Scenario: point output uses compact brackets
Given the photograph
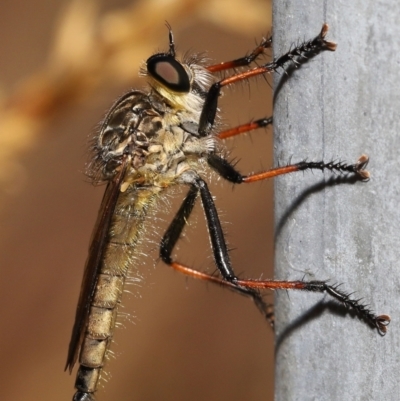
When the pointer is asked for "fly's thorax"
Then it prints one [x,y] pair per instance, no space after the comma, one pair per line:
[160,141]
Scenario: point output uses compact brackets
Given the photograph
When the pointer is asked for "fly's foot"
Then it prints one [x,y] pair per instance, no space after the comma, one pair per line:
[359,167]
[325,44]
[381,322]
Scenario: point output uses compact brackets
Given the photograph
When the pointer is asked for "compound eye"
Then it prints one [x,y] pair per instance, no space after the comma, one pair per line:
[169,72]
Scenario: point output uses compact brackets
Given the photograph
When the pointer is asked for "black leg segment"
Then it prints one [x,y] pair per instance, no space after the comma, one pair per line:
[175,229]
[218,244]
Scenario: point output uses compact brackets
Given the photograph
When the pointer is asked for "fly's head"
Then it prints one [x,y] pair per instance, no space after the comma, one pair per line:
[182,84]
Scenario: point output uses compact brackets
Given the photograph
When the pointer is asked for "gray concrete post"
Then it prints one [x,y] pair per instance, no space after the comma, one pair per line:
[338,106]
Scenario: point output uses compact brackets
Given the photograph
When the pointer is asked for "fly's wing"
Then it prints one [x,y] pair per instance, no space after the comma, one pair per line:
[93,263]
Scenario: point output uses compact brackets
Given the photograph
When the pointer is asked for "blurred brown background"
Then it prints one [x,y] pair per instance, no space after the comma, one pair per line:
[62,65]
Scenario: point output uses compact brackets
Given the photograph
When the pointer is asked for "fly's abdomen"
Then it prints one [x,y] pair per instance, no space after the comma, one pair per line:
[117,259]
[101,323]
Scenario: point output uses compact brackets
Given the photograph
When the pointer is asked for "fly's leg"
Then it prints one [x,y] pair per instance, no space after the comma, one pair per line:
[313,46]
[229,279]
[240,129]
[380,322]
[227,171]
[243,61]
[219,248]
[301,51]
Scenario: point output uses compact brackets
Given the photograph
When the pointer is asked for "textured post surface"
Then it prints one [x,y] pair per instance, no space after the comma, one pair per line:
[338,106]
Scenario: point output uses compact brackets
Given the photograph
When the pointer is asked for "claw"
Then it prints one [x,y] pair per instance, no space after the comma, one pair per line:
[362,162]
[382,322]
[329,45]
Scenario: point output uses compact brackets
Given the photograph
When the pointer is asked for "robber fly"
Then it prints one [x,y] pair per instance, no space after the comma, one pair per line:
[150,141]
